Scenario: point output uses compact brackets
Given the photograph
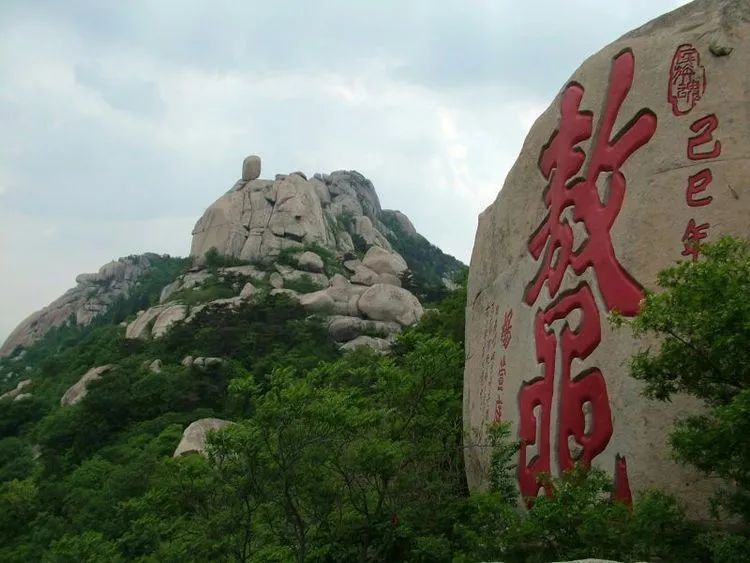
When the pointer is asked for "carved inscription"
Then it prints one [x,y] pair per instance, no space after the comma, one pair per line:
[584,423]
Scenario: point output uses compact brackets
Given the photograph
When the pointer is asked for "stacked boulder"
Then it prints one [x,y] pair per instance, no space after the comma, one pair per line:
[322,241]
[262,221]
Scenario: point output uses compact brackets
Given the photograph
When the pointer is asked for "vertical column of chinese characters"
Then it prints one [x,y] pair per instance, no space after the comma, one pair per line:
[584,425]
[488,357]
[687,85]
[505,338]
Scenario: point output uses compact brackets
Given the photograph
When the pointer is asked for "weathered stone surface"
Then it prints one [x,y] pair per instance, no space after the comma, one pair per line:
[248,271]
[168,317]
[139,328]
[362,275]
[203,363]
[276,280]
[189,280]
[251,168]
[381,261]
[92,296]
[248,291]
[230,302]
[364,228]
[388,279]
[345,296]
[15,392]
[22,397]
[155,366]
[390,303]
[194,310]
[288,292]
[343,328]
[258,219]
[78,391]
[317,301]
[187,361]
[290,274]
[310,261]
[551,257]
[377,344]
[195,435]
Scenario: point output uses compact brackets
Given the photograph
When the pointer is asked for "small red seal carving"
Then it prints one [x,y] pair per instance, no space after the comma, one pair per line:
[687,80]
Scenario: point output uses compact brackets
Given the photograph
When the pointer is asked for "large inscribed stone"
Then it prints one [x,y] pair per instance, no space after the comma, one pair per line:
[644,154]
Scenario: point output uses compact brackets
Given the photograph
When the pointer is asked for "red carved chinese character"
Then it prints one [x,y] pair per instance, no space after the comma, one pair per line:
[692,237]
[500,384]
[622,483]
[704,127]
[506,335]
[576,439]
[687,80]
[498,417]
[697,184]
[560,162]
[569,187]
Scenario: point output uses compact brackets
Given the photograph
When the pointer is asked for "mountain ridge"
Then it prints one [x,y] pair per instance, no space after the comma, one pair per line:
[271,219]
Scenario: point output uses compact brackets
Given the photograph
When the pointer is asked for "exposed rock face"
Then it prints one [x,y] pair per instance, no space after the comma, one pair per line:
[310,261]
[251,168]
[141,326]
[194,436]
[389,303]
[78,391]
[381,261]
[344,329]
[92,296]
[248,291]
[377,344]
[169,316]
[13,394]
[257,219]
[643,153]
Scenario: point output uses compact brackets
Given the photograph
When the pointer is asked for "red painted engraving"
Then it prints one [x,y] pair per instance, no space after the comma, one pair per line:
[571,188]
[697,184]
[687,80]
[704,128]
[577,439]
[622,483]
[691,239]
[506,335]
[501,374]
[560,162]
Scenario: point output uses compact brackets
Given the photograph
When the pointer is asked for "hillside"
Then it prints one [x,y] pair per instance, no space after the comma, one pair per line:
[111,388]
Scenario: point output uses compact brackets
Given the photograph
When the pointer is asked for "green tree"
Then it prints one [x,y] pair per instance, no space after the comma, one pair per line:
[702,321]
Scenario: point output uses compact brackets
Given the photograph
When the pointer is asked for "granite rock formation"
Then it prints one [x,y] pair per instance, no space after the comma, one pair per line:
[640,156]
[322,241]
[194,437]
[93,295]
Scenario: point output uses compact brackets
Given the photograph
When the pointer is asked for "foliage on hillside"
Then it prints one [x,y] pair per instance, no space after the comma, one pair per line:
[332,458]
[429,265]
[702,320]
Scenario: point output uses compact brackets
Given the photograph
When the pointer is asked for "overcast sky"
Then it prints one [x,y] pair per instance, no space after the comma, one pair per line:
[120,122]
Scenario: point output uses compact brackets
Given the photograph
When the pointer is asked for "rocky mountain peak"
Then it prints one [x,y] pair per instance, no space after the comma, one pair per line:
[258,219]
[323,241]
